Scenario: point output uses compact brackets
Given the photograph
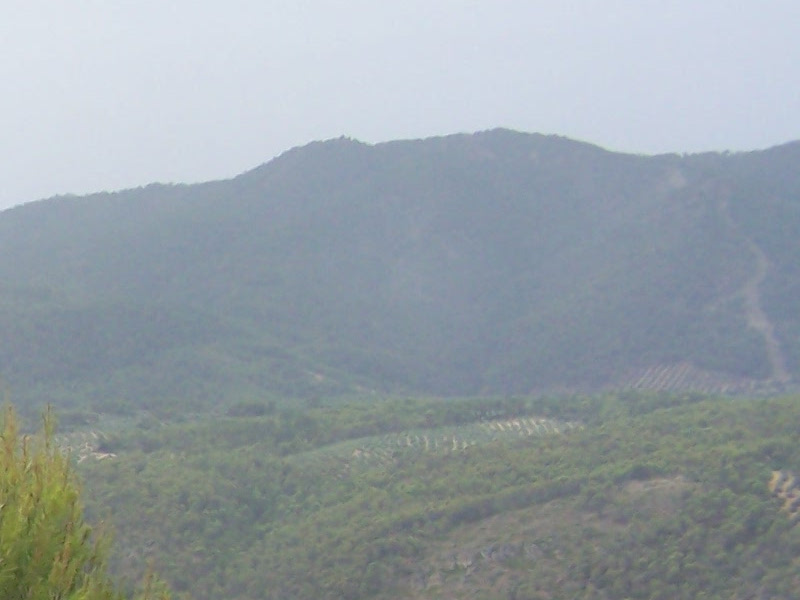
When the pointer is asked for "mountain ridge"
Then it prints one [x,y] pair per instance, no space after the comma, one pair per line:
[495,262]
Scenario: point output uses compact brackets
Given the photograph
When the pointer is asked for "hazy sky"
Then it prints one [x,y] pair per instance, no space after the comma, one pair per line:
[106,94]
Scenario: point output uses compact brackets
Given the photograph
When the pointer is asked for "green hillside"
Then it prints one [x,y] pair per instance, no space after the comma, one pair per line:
[498,365]
[621,496]
[498,262]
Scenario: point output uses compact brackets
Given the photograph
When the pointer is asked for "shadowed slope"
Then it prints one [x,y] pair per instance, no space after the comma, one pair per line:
[498,261]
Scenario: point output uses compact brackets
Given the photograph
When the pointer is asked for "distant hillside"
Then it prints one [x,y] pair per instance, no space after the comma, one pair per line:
[646,496]
[498,262]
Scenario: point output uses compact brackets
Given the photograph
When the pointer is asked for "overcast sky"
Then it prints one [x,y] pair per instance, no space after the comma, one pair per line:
[108,94]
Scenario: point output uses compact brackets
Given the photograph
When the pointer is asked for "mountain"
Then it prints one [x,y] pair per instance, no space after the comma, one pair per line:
[494,263]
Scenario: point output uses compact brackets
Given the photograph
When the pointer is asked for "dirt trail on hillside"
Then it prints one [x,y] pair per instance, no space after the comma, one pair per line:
[758,320]
[751,292]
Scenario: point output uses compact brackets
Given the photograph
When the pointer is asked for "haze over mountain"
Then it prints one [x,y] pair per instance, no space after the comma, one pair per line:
[493,263]
[203,90]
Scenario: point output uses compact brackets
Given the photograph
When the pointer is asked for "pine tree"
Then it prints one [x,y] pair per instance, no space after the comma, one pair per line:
[47,550]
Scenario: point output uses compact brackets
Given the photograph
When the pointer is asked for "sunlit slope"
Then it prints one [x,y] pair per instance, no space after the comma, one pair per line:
[500,262]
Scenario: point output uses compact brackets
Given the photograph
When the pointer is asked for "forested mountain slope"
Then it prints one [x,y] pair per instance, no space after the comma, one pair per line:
[496,262]
[631,495]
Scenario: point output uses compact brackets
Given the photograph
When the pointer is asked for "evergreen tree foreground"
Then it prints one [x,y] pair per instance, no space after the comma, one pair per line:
[47,550]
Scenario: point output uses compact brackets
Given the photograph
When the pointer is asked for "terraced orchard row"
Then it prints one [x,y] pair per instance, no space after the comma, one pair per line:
[360,432]
[384,449]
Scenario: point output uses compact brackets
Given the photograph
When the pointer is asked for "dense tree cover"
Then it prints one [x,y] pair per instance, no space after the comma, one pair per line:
[493,263]
[655,496]
[47,550]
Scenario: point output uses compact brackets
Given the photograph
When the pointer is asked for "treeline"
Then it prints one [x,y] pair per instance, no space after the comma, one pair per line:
[285,430]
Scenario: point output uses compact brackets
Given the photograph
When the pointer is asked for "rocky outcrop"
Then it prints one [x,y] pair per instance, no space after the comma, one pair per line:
[786,486]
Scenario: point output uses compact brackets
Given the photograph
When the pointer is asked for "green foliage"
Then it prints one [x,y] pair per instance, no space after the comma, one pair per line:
[655,496]
[47,550]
